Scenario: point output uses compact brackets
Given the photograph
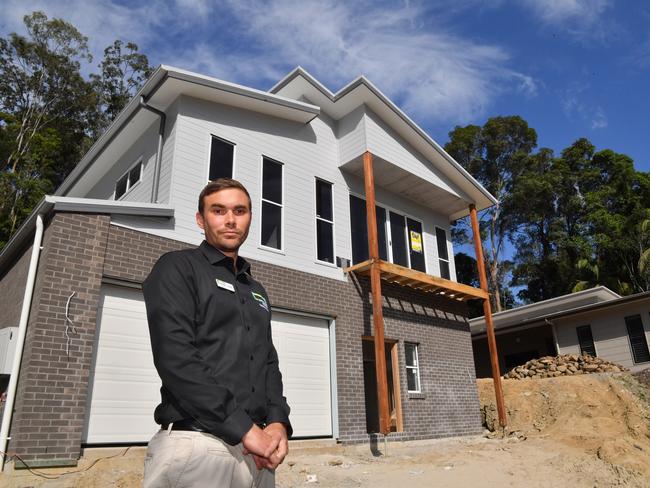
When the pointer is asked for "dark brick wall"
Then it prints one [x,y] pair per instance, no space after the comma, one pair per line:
[81,249]
[448,404]
[12,289]
[51,398]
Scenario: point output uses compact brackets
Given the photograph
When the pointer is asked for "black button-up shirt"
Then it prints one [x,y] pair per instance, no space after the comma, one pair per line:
[210,331]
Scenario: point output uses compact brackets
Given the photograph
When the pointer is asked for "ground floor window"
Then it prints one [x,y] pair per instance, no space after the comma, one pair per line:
[586,340]
[412,367]
[638,341]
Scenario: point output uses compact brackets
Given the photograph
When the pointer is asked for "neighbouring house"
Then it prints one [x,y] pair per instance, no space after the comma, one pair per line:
[597,321]
[86,372]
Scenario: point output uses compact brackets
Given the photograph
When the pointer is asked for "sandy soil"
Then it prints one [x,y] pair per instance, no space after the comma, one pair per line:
[582,431]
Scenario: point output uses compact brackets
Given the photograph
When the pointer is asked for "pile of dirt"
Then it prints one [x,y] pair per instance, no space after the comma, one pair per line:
[566,365]
[604,415]
[643,377]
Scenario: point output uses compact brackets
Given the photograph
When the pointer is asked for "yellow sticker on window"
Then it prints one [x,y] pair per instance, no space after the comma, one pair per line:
[416,241]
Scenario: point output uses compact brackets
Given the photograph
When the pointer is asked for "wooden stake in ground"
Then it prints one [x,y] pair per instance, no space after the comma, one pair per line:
[487,312]
[375,284]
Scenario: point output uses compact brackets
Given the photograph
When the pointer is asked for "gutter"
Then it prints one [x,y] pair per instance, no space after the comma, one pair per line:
[20,342]
[161,141]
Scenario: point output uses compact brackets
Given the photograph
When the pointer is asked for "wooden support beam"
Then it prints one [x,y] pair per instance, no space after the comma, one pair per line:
[375,284]
[448,285]
[487,312]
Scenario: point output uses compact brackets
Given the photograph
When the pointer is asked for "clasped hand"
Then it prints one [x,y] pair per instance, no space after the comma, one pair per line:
[268,447]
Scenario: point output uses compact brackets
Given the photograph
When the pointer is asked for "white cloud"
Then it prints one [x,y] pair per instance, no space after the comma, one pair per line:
[433,73]
[574,107]
[582,19]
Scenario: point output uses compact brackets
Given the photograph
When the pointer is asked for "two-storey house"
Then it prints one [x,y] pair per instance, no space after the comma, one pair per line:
[315,164]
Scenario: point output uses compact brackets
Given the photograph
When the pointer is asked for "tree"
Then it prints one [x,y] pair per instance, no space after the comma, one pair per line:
[617,205]
[49,114]
[534,204]
[45,105]
[495,155]
[123,72]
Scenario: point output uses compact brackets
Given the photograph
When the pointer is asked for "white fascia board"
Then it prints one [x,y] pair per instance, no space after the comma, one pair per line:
[92,205]
[480,193]
[545,308]
[184,75]
[51,203]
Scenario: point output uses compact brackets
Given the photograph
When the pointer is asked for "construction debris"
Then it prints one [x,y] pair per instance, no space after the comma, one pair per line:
[566,365]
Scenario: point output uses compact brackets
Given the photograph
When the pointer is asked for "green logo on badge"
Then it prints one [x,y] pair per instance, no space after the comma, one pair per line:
[261,300]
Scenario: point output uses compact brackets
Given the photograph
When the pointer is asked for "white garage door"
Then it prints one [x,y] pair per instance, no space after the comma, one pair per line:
[125,387]
[304,352]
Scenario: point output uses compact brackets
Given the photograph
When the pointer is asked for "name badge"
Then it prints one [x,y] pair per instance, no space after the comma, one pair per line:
[225,285]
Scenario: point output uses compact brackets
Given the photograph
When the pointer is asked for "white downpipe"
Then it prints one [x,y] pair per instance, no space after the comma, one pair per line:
[22,331]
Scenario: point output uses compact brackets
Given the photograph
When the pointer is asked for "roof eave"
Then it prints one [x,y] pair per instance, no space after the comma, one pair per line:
[363,81]
[52,203]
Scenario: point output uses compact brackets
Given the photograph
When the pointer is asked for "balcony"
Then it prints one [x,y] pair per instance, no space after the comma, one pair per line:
[396,274]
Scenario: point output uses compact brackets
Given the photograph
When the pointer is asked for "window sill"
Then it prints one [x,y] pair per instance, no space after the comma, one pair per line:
[271,249]
[327,264]
[416,395]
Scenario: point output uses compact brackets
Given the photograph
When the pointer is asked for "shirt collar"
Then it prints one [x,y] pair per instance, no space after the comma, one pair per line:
[215,256]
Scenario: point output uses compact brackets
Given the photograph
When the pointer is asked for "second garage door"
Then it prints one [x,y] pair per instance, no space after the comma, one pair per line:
[124,384]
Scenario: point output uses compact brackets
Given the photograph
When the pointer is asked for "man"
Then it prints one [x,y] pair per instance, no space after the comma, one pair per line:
[224,421]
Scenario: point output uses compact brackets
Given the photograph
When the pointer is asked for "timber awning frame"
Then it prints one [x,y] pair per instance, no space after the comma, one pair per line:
[379,270]
[400,275]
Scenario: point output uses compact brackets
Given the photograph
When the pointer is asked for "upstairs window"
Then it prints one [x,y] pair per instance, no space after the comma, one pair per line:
[443,253]
[359,230]
[221,159]
[271,235]
[412,367]
[586,341]
[128,180]
[638,341]
[324,222]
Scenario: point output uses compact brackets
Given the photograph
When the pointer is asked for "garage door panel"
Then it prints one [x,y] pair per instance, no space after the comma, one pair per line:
[303,351]
[126,387]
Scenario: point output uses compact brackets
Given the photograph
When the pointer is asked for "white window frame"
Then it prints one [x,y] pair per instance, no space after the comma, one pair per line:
[319,261]
[262,200]
[415,367]
[448,260]
[129,185]
[389,237]
[209,154]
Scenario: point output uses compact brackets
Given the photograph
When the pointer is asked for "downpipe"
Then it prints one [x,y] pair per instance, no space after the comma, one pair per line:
[161,141]
[20,341]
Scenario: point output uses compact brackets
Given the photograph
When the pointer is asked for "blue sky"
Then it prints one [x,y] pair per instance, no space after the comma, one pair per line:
[571,68]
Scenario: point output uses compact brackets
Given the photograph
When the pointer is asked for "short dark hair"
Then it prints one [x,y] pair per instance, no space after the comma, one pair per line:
[218,185]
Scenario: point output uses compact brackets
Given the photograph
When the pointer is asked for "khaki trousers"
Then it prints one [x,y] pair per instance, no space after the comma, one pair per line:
[187,459]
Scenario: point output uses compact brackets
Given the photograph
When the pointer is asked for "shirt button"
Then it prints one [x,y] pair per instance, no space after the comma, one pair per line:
[242,300]
[251,357]
[248,327]
[253,389]
[247,411]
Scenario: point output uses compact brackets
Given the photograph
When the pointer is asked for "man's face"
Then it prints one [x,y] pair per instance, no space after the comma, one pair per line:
[226,219]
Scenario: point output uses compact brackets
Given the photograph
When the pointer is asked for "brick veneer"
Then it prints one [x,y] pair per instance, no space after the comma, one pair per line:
[52,388]
[81,249]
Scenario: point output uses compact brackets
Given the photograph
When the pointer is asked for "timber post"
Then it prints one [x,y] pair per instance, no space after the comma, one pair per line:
[487,312]
[375,284]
